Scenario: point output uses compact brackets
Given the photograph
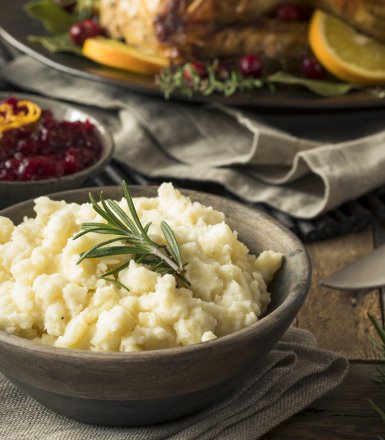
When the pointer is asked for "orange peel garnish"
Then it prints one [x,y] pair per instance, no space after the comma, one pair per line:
[28,112]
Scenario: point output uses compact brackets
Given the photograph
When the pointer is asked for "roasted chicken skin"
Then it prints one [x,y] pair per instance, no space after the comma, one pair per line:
[368,16]
[203,29]
[272,38]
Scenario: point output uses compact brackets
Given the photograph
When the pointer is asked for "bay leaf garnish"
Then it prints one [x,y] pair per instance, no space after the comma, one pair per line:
[319,87]
[55,19]
[57,43]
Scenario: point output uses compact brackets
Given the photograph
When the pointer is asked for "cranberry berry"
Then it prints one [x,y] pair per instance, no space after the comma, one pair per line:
[251,65]
[79,32]
[289,12]
[193,70]
[312,69]
[222,72]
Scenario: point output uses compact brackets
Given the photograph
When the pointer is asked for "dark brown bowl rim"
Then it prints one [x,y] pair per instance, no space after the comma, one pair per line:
[266,323]
[104,135]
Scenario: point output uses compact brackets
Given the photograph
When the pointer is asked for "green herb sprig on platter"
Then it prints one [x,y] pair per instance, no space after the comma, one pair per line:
[173,80]
[134,241]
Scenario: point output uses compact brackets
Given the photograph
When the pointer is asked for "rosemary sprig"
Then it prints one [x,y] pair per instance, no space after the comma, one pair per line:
[171,80]
[134,240]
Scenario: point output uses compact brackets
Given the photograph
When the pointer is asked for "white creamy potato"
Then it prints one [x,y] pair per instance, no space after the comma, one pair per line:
[46,296]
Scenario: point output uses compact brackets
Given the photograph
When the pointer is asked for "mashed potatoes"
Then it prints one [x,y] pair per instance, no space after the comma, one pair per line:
[46,296]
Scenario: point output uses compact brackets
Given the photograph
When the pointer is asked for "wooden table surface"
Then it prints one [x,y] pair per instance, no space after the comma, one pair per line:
[339,321]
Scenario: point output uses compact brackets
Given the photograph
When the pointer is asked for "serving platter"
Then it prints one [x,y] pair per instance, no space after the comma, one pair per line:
[16,26]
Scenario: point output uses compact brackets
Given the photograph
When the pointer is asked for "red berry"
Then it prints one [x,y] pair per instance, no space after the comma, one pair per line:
[312,69]
[194,69]
[251,65]
[222,72]
[38,167]
[79,32]
[291,13]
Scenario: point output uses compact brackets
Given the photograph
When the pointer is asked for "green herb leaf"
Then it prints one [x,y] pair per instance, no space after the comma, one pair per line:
[117,269]
[319,87]
[53,17]
[114,281]
[57,43]
[171,240]
[123,216]
[91,253]
[379,330]
[379,411]
[111,251]
[132,209]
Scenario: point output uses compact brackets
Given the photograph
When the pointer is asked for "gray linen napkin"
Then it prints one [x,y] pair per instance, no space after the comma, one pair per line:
[295,373]
[238,149]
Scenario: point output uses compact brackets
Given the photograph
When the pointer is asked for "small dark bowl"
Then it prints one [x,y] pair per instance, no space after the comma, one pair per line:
[126,389]
[14,192]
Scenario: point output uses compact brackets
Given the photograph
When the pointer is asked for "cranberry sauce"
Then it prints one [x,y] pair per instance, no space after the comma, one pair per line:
[47,149]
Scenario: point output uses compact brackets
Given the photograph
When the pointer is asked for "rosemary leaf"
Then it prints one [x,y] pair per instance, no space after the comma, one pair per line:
[147,227]
[92,251]
[132,209]
[107,229]
[114,281]
[171,240]
[113,219]
[111,251]
[117,269]
[379,329]
[123,216]
[379,411]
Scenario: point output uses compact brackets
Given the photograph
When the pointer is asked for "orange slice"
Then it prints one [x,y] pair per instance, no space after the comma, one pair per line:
[113,53]
[345,52]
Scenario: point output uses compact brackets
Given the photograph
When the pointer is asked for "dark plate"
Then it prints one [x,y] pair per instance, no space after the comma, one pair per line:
[16,25]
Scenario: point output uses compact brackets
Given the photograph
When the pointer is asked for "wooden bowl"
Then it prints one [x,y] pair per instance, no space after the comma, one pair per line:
[14,192]
[127,389]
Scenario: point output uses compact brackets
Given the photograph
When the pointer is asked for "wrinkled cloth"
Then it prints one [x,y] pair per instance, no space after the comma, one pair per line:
[296,372]
[341,158]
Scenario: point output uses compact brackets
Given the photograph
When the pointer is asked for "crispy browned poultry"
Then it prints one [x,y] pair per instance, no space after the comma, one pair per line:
[195,29]
[368,16]
[201,29]
[275,39]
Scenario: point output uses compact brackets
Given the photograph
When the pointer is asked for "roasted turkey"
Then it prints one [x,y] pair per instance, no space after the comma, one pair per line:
[206,29]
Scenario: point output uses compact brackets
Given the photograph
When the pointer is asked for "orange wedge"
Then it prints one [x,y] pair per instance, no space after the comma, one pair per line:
[345,52]
[113,53]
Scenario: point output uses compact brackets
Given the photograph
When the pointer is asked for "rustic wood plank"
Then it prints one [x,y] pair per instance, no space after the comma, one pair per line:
[319,427]
[343,414]
[351,396]
[338,319]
